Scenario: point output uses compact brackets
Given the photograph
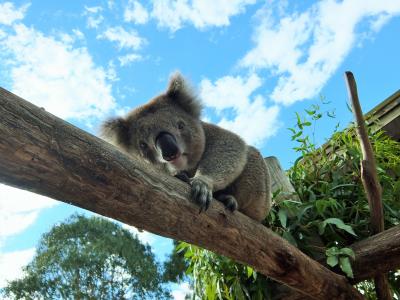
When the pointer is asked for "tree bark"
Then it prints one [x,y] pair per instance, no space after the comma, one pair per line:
[44,154]
[369,178]
[279,181]
[377,254]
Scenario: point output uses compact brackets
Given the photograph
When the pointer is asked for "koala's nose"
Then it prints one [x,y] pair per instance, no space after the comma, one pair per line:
[166,142]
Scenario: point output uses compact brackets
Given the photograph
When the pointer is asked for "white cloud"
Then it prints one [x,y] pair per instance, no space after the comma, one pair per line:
[173,14]
[94,17]
[56,76]
[144,236]
[3,34]
[125,39]
[136,13]
[380,21]
[71,38]
[78,34]
[19,209]
[254,124]
[305,49]
[11,264]
[9,14]
[110,4]
[127,59]
[253,120]
[94,22]
[180,291]
[111,73]
[229,91]
[93,9]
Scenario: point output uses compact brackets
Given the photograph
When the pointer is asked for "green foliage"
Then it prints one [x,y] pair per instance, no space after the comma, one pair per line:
[175,266]
[217,277]
[341,257]
[330,214]
[89,258]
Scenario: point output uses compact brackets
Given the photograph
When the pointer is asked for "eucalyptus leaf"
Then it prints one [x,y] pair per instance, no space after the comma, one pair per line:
[347,251]
[282,215]
[339,224]
[332,260]
[249,271]
[345,266]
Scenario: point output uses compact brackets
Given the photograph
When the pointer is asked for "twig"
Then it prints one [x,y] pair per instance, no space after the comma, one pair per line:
[369,178]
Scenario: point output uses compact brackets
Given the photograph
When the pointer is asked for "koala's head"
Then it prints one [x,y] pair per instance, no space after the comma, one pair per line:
[166,130]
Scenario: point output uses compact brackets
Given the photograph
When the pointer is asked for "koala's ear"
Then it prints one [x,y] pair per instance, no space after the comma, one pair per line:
[116,131]
[179,92]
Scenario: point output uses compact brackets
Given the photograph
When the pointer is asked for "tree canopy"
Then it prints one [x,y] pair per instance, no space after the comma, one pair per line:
[90,258]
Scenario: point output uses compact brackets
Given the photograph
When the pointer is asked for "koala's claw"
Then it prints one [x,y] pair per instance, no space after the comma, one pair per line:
[183,176]
[201,194]
[229,201]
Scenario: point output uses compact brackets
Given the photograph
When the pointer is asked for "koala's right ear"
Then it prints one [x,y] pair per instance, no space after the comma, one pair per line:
[116,131]
[179,91]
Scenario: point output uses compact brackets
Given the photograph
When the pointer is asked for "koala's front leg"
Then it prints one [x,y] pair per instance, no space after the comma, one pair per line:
[223,160]
[202,191]
[228,200]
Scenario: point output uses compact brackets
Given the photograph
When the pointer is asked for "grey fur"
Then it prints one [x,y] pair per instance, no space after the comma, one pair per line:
[215,161]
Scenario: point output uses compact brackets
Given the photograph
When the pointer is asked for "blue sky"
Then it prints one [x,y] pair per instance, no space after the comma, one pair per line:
[253,64]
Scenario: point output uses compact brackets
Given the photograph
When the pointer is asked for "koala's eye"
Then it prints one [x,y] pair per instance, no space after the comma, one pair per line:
[143,145]
[181,125]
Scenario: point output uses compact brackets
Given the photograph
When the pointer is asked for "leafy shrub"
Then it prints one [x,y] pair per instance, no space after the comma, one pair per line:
[330,212]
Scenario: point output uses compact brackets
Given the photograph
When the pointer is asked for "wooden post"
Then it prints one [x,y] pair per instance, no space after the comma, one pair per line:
[46,155]
[369,179]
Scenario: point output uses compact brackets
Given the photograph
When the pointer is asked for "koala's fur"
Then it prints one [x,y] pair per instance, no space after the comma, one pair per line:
[168,133]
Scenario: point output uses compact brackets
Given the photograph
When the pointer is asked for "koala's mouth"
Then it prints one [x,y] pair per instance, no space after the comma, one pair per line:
[168,147]
[179,162]
[174,157]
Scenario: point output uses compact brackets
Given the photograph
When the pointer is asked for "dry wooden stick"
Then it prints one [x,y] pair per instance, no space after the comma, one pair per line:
[369,179]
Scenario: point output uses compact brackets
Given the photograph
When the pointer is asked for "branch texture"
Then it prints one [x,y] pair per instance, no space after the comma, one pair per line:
[369,178]
[44,154]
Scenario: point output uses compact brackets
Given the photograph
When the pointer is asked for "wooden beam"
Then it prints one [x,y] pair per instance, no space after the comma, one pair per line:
[369,179]
[46,155]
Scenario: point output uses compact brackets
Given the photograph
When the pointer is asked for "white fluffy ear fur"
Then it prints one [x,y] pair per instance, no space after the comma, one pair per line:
[179,92]
[116,131]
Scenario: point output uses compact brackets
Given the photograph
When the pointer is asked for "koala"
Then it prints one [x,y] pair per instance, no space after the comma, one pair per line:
[168,133]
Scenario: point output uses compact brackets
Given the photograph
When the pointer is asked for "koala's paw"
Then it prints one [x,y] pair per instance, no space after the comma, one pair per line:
[183,176]
[229,201]
[201,193]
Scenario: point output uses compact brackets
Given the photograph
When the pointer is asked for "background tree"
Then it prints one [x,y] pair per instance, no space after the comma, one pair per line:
[175,266]
[89,258]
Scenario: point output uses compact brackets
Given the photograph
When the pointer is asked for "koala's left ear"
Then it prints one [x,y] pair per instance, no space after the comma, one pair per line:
[180,93]
[116,131]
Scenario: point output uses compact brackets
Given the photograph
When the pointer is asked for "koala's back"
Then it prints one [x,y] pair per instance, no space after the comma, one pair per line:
[241,171]
[254,192]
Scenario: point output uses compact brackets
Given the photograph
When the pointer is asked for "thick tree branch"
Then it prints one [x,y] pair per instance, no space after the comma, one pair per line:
[377,254]
[369,179]
[44,154]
